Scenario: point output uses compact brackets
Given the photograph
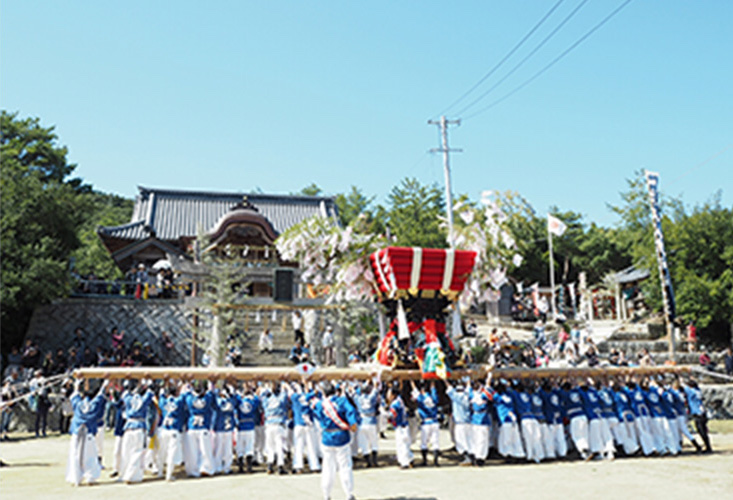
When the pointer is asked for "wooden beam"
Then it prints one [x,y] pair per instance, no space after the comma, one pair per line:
[385,374]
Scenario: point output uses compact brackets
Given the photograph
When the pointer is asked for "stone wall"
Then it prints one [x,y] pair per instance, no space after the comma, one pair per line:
[53,325]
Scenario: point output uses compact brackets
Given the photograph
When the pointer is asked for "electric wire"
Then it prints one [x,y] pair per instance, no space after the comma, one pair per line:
[504,59]
[526,58]
[552,63]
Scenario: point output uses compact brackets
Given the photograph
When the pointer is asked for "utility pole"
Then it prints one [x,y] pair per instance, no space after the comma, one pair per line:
[443,124]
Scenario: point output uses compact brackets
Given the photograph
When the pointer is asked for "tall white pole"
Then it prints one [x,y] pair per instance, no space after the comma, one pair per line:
[443,124]
[552,273]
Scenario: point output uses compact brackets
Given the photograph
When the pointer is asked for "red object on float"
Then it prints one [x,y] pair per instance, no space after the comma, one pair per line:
[405,268]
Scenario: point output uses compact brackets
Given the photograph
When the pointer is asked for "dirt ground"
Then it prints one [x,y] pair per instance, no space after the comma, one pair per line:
[36,469]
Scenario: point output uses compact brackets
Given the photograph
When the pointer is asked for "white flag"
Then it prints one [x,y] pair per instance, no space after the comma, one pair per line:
[555,225]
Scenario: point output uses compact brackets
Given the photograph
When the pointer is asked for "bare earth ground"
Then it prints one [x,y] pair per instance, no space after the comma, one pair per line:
[37,466]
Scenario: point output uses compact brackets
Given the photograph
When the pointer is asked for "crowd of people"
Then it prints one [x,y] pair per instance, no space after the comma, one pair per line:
[223,427]
[139,282]
[28,371]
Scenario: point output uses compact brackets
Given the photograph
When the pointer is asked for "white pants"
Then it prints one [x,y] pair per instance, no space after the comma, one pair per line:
[368,438]
[245,443]
[607,438]
[223,452]
[625,435]
[83,463]
[579,433]
[198,454]
[683,429]
[260,443]
[304,442]
[402,446]
[414,425]
[100,442]
[337,459]
[646,438]
[510,442]
[480,441]
[170,451]
[664,436]
[274,444]
[532,434]
[429,435]
[133,455]
[117,460]
[555,441]
[462,435]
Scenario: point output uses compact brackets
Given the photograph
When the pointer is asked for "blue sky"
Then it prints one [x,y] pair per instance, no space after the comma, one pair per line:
[276,95]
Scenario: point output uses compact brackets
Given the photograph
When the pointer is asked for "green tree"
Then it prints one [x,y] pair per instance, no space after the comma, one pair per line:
[413,215]
[311,190]
[92,256]
[41,209]
[356,204]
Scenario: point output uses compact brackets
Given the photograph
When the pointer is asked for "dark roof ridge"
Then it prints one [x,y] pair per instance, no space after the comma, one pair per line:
[198,192]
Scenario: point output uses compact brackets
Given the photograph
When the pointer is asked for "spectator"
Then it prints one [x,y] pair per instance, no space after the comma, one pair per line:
[88,358]
[728,361]
[67,411]
[645,359]
[42,404]
[15,360]
[31,356]
[118,338]
[298,327]
[60,363]
[166,348]
[706,361]
[327,342]
[296,354]
[7,394]
[48,365]
[265,342]
[691,337]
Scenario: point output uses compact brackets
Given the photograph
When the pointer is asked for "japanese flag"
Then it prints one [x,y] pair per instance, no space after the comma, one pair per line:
[555,225]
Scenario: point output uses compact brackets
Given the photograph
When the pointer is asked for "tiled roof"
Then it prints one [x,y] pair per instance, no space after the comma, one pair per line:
[171,214]
[630,275]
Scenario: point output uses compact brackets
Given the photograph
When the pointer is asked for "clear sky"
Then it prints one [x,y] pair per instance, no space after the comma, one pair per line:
[275,95]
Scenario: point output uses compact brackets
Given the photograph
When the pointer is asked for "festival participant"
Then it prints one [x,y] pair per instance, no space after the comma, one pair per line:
[510,439]
[530,428]
[682,428]
[624,432]
[427,408]
[83,464]
[674,439]
[197,450]
[697,410]
[538,410]
[247,405]
[368,402]
[119,430]
[133,440]
[599,437]
[303,434]
[553,437]
[275,406]
[575,412]
[224,425]
[173,409]
[461,413]
[657,421]
[480,397]
[641,417]
[398,417]
[337,417]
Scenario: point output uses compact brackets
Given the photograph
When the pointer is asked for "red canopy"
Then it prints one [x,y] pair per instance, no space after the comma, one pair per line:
[412,269]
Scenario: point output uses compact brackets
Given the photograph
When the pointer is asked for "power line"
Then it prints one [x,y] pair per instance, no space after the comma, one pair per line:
[503,60]
[521,63]
[553,62]
[702,163]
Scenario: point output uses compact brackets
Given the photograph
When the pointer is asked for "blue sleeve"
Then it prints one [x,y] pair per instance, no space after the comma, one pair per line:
[351,415]
[434,393]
